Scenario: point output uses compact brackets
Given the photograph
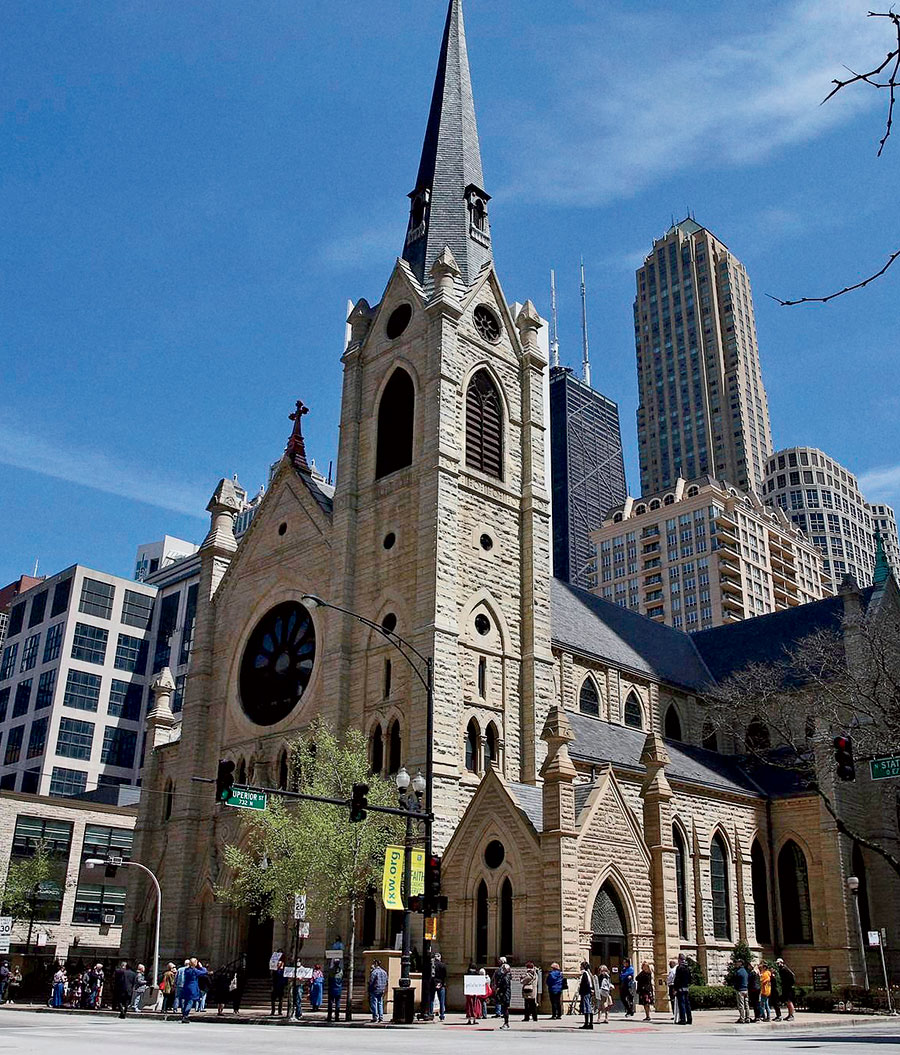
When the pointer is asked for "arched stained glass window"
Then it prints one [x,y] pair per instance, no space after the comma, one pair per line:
[589,698]
[396,419]
[491,747]
[633,714]
[681,880]
[481,923]
[394,747]
[607,917]
[721,895]
[793,885]
[672,724]
[760,881]
[484,426]
[472,746]
[506,918]
[376,750]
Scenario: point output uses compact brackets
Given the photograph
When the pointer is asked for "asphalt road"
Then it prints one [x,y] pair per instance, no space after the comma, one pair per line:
[27,1033]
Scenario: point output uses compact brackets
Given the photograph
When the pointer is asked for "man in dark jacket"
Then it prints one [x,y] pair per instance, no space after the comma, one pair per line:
[788,981]
[123,988]
[681,983]
[741,991]
[439,977]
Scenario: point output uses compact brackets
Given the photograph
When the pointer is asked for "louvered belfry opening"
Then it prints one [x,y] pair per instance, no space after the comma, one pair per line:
[484,426]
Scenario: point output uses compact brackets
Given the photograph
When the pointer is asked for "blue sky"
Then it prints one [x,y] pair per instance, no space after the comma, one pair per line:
[190,192]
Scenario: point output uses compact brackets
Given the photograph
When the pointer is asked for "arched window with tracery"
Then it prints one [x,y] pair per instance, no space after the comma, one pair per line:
[484,426]
[681,880]
[396,420]
[793,887]
[506,918]
[481,923]
[759,875]
[633,715]
[376,750]
[491,746]
[721,893]
[672,724]
[472,737]
[589,698]
[394,748]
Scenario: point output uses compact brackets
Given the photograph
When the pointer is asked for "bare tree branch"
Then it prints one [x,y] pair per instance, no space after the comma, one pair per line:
[855,836]
[840,292]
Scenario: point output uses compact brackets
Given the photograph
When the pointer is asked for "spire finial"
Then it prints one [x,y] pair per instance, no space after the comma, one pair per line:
[586,363]
[296,447]
[449,204]
[882,568]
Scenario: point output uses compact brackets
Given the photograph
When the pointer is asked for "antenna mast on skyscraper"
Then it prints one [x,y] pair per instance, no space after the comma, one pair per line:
[586,361]
[554,322]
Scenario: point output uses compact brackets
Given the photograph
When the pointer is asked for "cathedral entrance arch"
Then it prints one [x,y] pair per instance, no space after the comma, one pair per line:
[260,936]
[609,942]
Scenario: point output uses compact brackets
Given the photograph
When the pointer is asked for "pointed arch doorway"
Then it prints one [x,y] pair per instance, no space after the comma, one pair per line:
[609,942]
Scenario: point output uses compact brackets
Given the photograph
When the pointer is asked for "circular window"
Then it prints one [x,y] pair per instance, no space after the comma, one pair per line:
[389,539]
[389,623]
[482,624]
[277,663]
[282,528]
[494,854]
[487,543]
[487,323]
[398,320]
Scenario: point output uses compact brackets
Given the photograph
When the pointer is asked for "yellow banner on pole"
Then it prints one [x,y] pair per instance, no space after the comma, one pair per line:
[392,882]
[417,876]
[431,928]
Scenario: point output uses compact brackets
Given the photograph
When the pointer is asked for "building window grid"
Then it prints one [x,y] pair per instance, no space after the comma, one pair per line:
[53,642]
[82,690]
[75,739]
[30,652]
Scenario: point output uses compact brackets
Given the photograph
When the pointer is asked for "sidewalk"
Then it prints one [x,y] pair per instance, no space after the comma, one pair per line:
[718,1022]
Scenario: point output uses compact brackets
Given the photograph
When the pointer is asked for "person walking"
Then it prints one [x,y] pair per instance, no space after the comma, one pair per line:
[58,990]
[140,988]
[278,985]
[586,995]
[529,991]
[473,1002]
[605,999]
[627,987]
[167,987]
[503,992]
[123,988]
[378,983]
[644,986]
[98,977]
[753,990]
[775,998]
[316,988]
[179,984]
[788,982]
[494,982]
[335,988]
[765,990]
[190,990]
[488,992]
[556,982]
[221,989]
[741,991]
[439,976]
[5,975]
[670,986]
[682,981]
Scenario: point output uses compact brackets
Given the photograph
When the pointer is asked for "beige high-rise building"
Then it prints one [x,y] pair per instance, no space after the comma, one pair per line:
[885,524]
[703,407]
[702,554]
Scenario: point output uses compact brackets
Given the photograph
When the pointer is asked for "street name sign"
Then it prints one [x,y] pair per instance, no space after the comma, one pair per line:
[245,799]
[883,768]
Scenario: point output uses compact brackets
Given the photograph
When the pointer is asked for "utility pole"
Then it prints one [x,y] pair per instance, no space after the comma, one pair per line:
[554,322]
[586,360]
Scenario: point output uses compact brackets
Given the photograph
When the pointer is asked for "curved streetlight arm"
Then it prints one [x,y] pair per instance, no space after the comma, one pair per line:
[155,881]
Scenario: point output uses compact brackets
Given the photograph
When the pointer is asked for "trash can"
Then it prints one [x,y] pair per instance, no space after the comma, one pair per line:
[404,1005]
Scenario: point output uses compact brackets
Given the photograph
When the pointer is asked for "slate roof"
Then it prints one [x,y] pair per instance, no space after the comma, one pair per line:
[529,799]
[767,638]
[591,625]
[450,163]
[323,493]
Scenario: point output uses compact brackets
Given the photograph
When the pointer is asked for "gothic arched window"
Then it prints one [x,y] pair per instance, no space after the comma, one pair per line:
[472,746]
[710,740]
[484,426]
[672,724]
[633,715]
[721,895]
[757,737]
[376,750]
[394,747]
[491,747]
[506,919]
[396,416]
[793,886]
[681,880]
[760,882]
[589,698]
[481,923]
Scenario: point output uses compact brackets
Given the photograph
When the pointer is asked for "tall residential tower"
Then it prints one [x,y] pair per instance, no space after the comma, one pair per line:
[703,408]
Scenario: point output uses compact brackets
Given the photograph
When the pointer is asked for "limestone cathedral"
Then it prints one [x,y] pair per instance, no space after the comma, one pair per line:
[582,808]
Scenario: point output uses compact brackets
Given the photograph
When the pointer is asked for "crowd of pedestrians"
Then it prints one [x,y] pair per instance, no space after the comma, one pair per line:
[760,991]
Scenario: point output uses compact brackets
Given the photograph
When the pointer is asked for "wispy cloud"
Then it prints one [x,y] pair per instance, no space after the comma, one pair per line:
[621,118]
[881,485]
[98,470]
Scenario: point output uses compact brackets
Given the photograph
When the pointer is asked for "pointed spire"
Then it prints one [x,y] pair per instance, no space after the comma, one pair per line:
[882,568]
[296,447]
[586,351]
[449,204]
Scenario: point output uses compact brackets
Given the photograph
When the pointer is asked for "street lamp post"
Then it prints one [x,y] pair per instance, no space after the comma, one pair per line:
[95,862]
[408,651]
[853,887]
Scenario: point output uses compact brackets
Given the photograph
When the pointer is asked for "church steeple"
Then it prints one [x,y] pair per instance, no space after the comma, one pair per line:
[449,205]
[882,567]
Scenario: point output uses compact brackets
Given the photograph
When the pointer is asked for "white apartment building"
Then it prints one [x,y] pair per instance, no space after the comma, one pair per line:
[72,675]
[701,554]
[152,556]
[885,523]
[824,500]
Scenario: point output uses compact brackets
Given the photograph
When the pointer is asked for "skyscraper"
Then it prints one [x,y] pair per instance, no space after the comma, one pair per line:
[703,408]
[587,472]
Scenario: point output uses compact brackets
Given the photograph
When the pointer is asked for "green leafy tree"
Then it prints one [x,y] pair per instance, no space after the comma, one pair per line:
[740,952]
[24,881]
[298,845]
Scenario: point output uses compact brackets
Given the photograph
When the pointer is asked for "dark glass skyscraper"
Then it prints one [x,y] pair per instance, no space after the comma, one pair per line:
[587,472]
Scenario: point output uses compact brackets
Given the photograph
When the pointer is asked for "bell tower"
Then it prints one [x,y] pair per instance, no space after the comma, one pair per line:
[441,512]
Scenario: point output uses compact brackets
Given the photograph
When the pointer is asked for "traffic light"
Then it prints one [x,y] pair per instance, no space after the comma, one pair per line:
[843,758]
[359,802]
[224,780]
[111,870]
[432,881]
[415,903]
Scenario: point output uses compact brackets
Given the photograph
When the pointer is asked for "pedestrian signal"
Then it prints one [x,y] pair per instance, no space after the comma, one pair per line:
[224,780]
[359,802]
